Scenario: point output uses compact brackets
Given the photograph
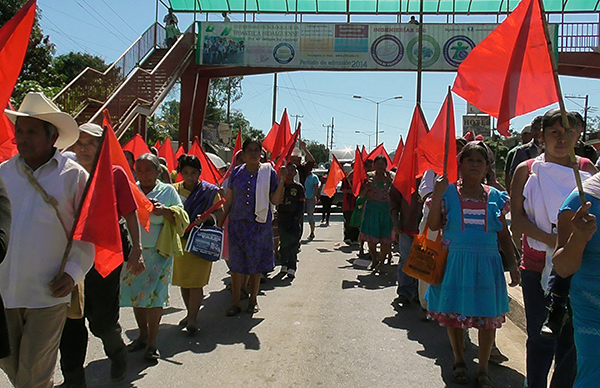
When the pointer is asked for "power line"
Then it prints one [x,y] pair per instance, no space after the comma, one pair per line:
[94,17]
[119,16]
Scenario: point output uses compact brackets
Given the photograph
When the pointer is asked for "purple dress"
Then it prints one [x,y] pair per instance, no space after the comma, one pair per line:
[250,242]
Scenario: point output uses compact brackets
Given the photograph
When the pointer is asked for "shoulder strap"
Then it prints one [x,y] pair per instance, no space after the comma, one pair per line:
[45,196]
[529,164]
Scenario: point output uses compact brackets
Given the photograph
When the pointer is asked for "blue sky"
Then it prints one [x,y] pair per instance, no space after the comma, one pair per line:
[108,27]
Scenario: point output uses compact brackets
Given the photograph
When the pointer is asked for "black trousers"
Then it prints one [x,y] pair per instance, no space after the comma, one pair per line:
[350,232]
[289,237]
[102,312]
[326,210]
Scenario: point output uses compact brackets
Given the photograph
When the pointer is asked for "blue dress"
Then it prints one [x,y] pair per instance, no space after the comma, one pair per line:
[151,287]
[250,242]
[473,292]
[585,302]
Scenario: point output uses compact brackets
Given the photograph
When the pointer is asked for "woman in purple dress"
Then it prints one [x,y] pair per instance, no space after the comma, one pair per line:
[251,190]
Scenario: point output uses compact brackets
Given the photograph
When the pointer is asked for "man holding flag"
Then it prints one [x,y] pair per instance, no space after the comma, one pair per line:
[102,293]
[45,190]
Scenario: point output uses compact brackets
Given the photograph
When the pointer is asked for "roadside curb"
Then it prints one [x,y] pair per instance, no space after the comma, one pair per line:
[517,307]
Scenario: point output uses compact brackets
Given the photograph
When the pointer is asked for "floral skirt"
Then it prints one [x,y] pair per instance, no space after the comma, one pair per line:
[151,287]
[461,322]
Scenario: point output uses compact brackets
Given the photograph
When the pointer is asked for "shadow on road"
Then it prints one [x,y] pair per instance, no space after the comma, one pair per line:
[436,346]
[373,280]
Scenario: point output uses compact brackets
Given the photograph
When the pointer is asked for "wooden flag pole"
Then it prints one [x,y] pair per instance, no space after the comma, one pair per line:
[561,105]
[447,140]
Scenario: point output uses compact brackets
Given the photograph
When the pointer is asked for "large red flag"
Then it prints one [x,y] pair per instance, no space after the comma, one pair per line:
[180,151]
[360,174]
[210,172]
[166,151]
[237,147]
[14,39]
[364,154]
[269,141]
[284,135]
[98,220]
[510,72]
[8,146]
[286,154]
[334,176]
[398,153]
[137,146]
[431,153]
[407,172]
[118,158]
[380,150]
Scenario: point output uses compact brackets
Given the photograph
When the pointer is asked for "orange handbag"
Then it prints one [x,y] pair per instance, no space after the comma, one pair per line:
[427,259]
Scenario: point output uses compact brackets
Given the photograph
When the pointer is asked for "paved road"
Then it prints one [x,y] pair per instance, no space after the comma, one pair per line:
[333,326]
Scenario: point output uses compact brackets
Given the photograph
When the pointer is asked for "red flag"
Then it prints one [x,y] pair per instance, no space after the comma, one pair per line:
[98,221]
[334,176]
[380,150]
[14,39]
[360,174]
[137,146]
[283,136]
[406,174]
[286,154]
[269,141]
[157,144]
[237,147]
[8,146]
[209,173]
[180,151]
[166,151]
[364,154]
[398,153]
[432,148]
[118,158]
[510,72]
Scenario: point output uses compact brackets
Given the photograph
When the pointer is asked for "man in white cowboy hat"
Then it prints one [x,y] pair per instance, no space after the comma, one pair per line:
[45,190]
[102,293]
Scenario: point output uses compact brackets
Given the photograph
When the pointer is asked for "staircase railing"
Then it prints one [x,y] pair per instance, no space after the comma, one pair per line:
[145,87]
[92,85]
[578,37]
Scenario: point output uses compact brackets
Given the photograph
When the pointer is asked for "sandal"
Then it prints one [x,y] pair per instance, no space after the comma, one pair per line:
[483,381]
[252,308]
[233,310]
[136,345]
[459,374]
[151,353]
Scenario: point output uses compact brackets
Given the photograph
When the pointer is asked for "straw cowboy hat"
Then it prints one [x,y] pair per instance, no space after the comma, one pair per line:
[38,106]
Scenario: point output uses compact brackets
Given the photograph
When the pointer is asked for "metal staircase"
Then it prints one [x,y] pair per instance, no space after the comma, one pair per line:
[135,84]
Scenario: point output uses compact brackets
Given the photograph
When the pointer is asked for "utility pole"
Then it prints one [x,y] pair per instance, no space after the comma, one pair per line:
[274,96]
[296,123]
[327,137]
[332,126]
[229,101]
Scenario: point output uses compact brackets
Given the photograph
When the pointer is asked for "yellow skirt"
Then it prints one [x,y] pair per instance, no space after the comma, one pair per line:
[190,271]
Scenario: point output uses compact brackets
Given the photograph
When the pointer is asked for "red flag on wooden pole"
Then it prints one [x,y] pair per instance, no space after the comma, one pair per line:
[166,151]
[98,220]
[8,146]
[398,153]
[118,158]
[407,172]
[364,154]
[180,151]
[237,147]
[157,144]
[210,172]
[14,39]
[510,72]
[137,146]
[360,174]
[284,135]
[269,141]
[334,176]
[438,150]
[380,150]
[286,154]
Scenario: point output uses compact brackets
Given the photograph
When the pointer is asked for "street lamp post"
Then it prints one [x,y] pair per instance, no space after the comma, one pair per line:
[377,112]
[369,135]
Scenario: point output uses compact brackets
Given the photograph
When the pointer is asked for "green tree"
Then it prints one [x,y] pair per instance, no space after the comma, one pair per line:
[223,92]
[318,150]
[68,66]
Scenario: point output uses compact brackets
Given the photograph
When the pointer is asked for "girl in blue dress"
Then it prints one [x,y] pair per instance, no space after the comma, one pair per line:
[578,254]
[473,292]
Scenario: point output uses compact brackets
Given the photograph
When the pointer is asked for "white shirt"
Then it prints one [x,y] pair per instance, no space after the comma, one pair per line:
[37,238]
